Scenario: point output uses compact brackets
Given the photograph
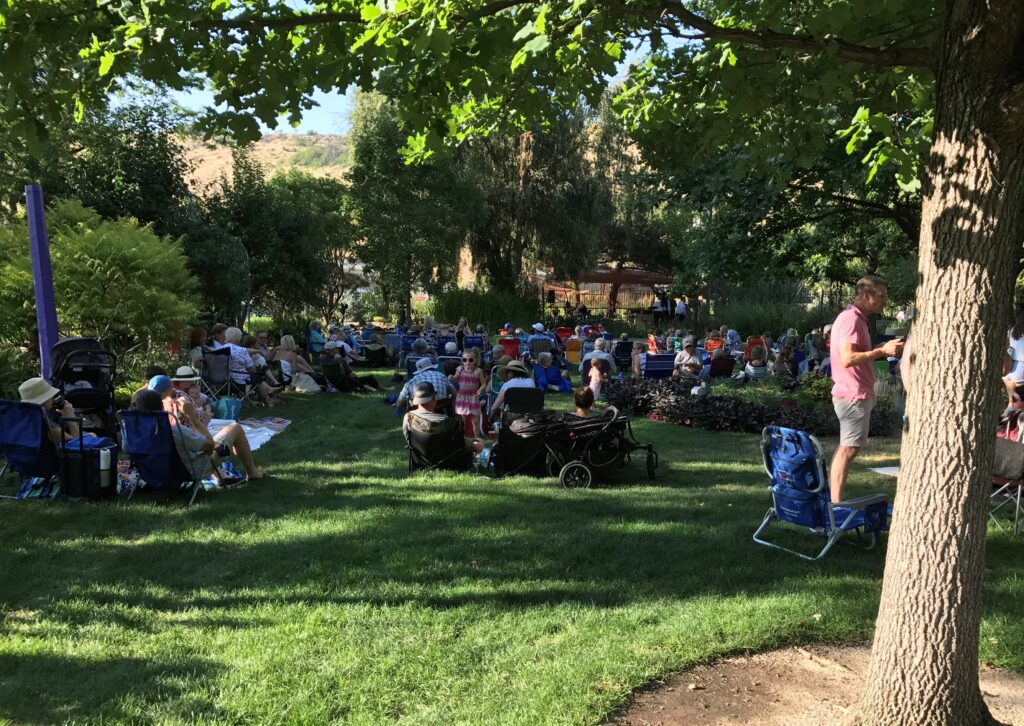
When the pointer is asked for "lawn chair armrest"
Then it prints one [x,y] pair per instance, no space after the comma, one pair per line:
[863,502]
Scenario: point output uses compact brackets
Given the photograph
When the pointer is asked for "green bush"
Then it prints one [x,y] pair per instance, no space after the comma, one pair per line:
[493,309]
[113,280]
[756,318]
[15,367]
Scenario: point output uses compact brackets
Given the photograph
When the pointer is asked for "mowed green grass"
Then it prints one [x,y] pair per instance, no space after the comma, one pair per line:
[346,591]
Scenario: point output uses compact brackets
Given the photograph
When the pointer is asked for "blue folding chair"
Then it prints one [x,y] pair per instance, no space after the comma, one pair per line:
[796,467]
[657,365]
[146,437]
[25,440]
[443,359]
[473,341]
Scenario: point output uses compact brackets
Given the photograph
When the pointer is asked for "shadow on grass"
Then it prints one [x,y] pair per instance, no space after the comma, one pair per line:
[47,688]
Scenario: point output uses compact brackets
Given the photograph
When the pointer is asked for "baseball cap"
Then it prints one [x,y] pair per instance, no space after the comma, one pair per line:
[159,383]
[538,327]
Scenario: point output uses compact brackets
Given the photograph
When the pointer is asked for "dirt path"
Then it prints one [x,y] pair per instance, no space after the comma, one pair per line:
[794,686]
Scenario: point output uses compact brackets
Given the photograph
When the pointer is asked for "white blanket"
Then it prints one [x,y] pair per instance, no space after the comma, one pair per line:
[257,435]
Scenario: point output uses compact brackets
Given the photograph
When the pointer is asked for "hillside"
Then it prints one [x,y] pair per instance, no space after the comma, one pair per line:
[321,155]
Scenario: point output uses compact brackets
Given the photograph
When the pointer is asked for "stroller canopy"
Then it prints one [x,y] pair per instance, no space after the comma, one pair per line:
[75,355]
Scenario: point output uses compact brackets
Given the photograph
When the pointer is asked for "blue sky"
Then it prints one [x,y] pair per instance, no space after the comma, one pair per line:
[329,117]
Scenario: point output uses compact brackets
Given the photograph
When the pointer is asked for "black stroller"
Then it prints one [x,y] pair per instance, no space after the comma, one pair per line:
[576,450]
[84,371]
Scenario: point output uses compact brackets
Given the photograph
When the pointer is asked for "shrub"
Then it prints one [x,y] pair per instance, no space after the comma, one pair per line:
[493,309]
[15,367]
[727,408]
[113,280]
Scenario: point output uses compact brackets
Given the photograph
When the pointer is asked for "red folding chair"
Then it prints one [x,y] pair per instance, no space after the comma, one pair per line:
[713,344]
[752,342]
[510,346]
[563,333]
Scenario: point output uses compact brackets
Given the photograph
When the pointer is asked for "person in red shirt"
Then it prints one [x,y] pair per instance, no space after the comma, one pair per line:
[852,361]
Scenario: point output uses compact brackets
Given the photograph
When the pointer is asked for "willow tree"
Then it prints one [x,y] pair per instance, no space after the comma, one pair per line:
[946,73]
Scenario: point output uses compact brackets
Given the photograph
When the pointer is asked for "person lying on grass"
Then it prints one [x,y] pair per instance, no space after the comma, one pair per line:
[199,451]
[425,408]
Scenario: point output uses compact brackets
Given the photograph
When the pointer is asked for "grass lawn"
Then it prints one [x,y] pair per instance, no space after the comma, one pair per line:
[344,590]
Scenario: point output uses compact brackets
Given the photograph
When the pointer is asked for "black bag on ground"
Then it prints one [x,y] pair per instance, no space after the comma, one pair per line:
[88,467]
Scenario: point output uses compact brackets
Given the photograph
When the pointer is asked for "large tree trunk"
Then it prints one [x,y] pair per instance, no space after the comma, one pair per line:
[924,667]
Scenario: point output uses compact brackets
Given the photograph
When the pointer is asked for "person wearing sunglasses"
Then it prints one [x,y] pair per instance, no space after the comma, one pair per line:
[471,382]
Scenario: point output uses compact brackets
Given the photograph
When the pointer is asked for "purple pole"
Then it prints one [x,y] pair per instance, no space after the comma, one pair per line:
[42,276]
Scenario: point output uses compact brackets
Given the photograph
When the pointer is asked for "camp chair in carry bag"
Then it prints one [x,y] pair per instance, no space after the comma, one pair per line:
[798,475]
[436,445]
[147,438]
[25,440]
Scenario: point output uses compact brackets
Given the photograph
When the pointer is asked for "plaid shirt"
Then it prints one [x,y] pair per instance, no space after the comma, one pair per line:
[443,388]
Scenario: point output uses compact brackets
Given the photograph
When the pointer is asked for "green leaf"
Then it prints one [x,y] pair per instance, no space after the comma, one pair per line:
[540,24]
[537,45]
[518,59]
[369,12]
[613,50]
[524,32]
[106,63]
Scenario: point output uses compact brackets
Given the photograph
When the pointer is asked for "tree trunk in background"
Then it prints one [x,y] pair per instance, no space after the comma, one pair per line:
[924,666]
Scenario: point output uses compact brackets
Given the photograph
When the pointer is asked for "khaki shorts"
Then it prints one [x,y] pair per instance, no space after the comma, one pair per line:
[854,420]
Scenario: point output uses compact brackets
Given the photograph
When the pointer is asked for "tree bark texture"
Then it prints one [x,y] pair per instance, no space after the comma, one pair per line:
[924,667]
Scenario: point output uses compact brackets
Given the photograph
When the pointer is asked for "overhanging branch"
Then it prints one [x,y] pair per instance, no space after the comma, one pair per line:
[887,57]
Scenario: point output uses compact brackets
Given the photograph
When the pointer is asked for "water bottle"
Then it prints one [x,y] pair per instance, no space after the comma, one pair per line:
[105,472]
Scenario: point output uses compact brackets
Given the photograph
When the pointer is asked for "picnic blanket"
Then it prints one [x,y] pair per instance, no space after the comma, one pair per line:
[258,431]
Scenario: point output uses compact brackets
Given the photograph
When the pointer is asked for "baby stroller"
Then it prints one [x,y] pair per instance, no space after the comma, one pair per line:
[576,450]
[84,371]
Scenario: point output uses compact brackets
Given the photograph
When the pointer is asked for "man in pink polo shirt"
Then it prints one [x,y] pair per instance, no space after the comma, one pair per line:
[852,359]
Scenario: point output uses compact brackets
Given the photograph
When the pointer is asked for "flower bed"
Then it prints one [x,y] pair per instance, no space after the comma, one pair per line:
[729,407]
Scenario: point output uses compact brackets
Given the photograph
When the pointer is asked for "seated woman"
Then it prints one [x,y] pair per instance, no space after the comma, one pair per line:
[757,367]
[817,354]
[195,444]
[256,352]
[39,391]
[338,372]
[785,362]
[583,399]
[244,371]
[548,376]
[517,377]
[291,362]
[636,359]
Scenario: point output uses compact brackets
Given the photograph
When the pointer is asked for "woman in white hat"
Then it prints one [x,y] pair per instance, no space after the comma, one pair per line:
[518,377]
[41,393]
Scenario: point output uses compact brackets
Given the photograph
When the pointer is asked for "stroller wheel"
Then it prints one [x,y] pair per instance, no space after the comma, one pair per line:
[652,464]
[575,475]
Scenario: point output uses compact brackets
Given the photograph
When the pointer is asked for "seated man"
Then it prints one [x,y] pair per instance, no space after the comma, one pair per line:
[548,376]
[425,416]
[426,372]
[687,364]
[600,352]
[199,451]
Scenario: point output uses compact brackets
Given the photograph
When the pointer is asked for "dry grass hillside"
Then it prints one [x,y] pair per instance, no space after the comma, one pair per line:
[321,155]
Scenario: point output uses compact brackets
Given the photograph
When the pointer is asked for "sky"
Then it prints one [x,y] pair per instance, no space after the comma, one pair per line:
[329,117]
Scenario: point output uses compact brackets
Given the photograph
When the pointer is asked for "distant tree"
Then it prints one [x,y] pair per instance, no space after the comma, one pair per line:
[411,221]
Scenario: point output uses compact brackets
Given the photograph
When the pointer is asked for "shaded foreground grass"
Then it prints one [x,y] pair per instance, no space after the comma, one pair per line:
[344,590]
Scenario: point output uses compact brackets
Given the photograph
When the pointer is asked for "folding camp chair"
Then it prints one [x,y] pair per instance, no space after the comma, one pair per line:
[563,333]
[25,440]
[623,354]
[524,400]
[1007,493]
[146,436]
[572,351]
[216,374]
[658,365]
[442,361]
[443,449]
[473,341]
[798,475]
[539,346]
[722,367]
[713,344]
[753,341]
[511,346]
